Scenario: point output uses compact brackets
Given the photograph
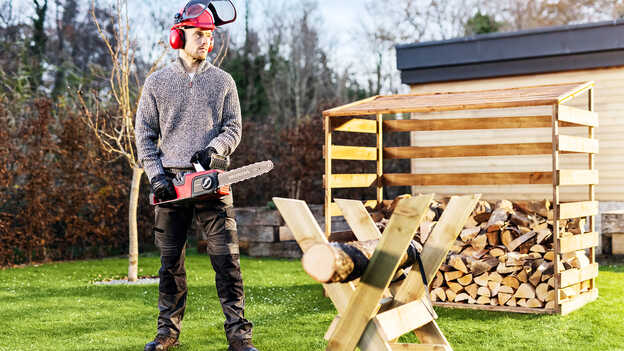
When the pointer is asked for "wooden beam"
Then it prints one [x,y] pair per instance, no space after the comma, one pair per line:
[400,320]
[527,310]
[359,220]
[364,303]
[578,209]
[379,158]
[413,125]
[574,275]
[334,209]
[436,248]
[352,180]
[577,116]
[577,177]
[555,198]
[578,242]
[328,171]
[578,301]
[419,347]
[361,153]
[355,125]
[467,150]
[495,178]
[578,144]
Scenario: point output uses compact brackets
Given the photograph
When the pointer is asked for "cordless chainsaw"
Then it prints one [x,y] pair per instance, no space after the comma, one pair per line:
[213,183]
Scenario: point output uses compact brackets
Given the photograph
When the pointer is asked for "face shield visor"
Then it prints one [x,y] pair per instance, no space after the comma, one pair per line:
[223,11]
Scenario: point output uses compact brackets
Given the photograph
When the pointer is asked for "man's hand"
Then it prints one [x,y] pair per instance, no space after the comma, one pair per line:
[203,157]
[163,188]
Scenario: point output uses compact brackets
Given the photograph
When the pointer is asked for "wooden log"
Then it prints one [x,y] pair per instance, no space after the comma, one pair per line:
[520,220]
[449,276]
[479,242]
[498,219]
[462,297]
[472,290]
[482,290]
[450,294]
[456,287]
[511,281]
[506,289]
[439,293]
[496,252]
[465,280]
[503,298]
[468,234]
[494,288]
[520,240]
[541,292]
[495,277]
[542,208]
[493,238]
[456,262]
[543,235]
[482,280]
[344,262]
[506,238]
[525,291]
[438,280]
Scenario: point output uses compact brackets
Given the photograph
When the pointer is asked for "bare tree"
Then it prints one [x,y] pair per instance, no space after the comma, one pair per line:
[115,132]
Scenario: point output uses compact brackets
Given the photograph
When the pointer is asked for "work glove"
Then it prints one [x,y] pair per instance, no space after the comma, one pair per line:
[163,188]
[203,157]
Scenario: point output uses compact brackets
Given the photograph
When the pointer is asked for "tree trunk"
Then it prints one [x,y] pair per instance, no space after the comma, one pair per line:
[133,251]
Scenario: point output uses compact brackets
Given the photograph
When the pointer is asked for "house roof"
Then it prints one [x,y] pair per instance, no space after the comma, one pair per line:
[542,50]
[429,102]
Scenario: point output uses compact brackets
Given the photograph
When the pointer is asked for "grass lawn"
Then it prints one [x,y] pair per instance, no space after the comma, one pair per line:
[57,307]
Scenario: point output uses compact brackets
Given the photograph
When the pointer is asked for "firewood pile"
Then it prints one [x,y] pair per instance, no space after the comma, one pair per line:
[504,256]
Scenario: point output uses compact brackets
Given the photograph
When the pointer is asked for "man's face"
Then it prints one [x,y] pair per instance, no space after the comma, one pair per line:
[197,42]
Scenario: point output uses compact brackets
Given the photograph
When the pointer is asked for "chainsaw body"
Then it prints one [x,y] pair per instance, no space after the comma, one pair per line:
[196,185]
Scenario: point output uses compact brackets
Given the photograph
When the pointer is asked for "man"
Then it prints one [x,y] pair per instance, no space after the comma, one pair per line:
[192,107]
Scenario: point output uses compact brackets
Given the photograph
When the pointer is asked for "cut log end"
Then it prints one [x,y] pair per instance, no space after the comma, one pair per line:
[318,262]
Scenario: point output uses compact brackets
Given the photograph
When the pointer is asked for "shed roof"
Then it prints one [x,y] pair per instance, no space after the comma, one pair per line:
[430,102]
[551,49]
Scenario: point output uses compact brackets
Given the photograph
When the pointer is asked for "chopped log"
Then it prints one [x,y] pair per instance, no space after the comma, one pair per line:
[515,259]
[525,291]
[536,277]
[504,269]
[495,277]
[520,220]
[482,280]
[482,290]
[457,247]
[550,305]
[494,288]
[504,204]
[506,238]
[493,301]
[506,289]
[468,234]
[549,256]
[450,294]
[497,220]
[478,267]
[439,293]
[551,282]
[483,300]
[483,207]
[425,229]
[496,252]
[465,280]
[543,234]
[576,226]
[538,248]
[456,262]
[481,217]
[472,290]
[462,297]
[520,240]
[542,208]
[479,242]
[493,238]
[503,298]
[522,302]
[449,276]
[446,268]
[524,230]
[534,256]
[438,280]
[456,287]
[511,302]
[522,276]
[580,260]
[511,281]
[344,262]
[541,292]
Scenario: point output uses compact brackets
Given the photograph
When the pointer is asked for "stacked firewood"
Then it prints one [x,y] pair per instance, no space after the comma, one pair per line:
[504,255]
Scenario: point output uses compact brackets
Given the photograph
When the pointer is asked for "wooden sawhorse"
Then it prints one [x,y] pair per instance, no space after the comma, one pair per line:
[374,314]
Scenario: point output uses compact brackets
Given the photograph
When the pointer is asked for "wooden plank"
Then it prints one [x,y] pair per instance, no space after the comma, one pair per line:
[555,197]
[334,209]
[351,180]
[577,176]
[354,125]
[328,171]
[617,244]
[436,248]
[430,333]
[578,209]
[402,152]
[362,153]
[578,301]
[364,303]
[578,242]
[413,125]
[576,92]
[577,116]
[494,178]
[574,275]
[379,158]
[354,103]
[400,320]
[494,308]
[358,219]
[419,347]
[578,144]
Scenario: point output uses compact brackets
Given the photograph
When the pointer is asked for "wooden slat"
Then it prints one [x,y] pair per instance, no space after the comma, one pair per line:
[362,153]
[576,92]
[494,308]
[334,210]
[578,301]
[382,265]
[578,242]
[437,246]
[577,116]
[494,178]
[578,144]
[578,209]
[355,125]
[413,125]
[328,171]
[358,219]
[577,177]
[574,275]
[419,347]
[379,157]
[468,150]
[400,320]
[353,180]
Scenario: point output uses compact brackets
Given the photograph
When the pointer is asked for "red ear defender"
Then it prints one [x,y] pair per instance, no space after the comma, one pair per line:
[176,38]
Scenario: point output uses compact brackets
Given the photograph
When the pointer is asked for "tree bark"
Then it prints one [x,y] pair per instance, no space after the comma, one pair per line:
[133,251]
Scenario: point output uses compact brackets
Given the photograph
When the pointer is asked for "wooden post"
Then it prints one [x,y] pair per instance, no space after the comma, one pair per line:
[555,202]
[592,187]
[379,158]
[328,171]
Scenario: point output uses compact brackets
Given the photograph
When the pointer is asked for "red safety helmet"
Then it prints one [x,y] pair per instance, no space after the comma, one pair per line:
[204,14]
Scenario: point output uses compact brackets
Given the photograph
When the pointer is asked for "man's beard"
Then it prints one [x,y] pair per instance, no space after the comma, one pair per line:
[197,57]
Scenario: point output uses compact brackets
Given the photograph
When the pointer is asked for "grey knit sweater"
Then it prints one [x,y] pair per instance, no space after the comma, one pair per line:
[187,115]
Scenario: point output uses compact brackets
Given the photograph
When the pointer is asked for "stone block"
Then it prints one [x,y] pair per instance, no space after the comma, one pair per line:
[283,249]
[257,233]
[250,216]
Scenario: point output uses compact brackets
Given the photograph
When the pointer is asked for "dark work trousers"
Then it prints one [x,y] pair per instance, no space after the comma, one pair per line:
[215,218]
